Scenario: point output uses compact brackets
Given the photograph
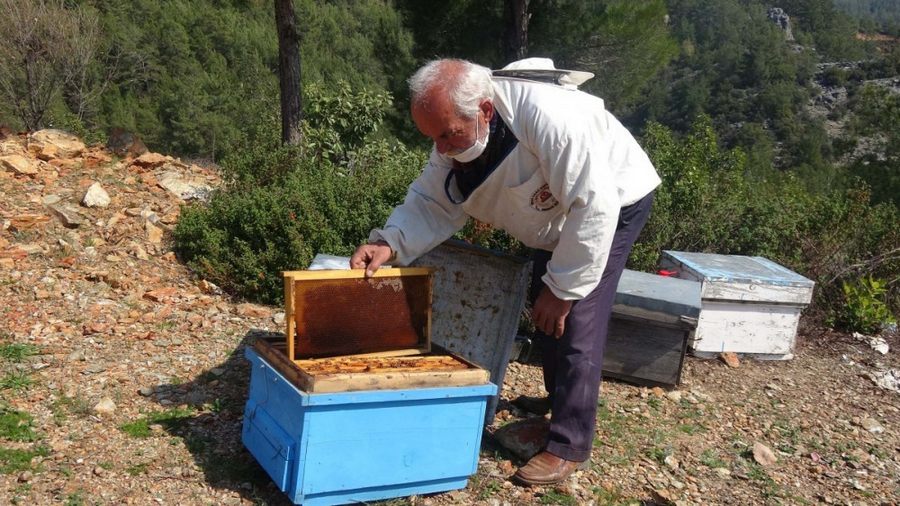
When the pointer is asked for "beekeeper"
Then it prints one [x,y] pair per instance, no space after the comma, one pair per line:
[527,152]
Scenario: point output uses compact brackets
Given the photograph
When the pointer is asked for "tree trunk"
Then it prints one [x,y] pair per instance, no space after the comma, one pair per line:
[30,118]
[289,71]
[515,39]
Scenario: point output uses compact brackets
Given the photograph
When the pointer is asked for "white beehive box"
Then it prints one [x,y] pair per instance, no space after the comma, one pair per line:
[749,305]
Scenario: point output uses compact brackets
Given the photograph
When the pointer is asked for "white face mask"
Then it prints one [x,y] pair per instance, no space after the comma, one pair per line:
[473,151]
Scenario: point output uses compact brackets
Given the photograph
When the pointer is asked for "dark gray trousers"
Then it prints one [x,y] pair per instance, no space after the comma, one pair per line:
[572,364]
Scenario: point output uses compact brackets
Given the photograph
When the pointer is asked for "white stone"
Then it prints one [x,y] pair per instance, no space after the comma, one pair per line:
[149,215]
[140,253]
[209,287]
[77,355]
[183,188]
[701,396]
[32,249]
[888,379]
[10,146]
[672,462]
[151,159]
[95,196]
[106,406]
[69,216]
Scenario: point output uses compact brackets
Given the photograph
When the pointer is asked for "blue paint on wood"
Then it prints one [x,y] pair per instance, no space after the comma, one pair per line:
[672,296]
[737,269]
[370,396]
[272,446]
[361,446]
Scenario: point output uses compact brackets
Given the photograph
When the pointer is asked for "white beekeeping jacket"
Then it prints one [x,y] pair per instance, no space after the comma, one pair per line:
[560,189]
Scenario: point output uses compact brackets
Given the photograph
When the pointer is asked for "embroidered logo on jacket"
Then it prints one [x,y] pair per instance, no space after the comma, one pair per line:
[543,200]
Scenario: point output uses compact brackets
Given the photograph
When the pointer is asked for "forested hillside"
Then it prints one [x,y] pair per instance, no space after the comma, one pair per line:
[774,124]
[194,77]
[881,14]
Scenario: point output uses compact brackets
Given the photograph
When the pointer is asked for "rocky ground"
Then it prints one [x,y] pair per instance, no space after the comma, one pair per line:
[122,379]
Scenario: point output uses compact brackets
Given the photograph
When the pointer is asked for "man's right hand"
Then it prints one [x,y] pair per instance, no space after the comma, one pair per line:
[371,256]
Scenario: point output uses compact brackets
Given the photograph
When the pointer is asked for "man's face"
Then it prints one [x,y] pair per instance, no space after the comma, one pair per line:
[437,119]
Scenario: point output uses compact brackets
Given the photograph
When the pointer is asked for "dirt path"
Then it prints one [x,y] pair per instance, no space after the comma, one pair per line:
[122,380]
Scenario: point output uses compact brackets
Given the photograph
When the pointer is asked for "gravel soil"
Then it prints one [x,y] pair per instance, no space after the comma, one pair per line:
[122,380]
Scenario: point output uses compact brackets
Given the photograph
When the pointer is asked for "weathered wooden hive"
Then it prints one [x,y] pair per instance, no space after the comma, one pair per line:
[651,322]
[356,404]
[749,305]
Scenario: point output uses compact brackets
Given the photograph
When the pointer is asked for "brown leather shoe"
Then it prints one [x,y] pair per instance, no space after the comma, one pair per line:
[536,405]
[547,469]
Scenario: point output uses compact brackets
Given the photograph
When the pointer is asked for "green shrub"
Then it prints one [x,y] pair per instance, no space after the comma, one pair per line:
[338,121]
[486,236]
[877,113]
[834,76]
[284,204]
[844,238]
[865,310]
[249,233]
[706,203]
[699,205]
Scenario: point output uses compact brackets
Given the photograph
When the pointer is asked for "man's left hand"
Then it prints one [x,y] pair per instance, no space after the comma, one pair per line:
[549,313]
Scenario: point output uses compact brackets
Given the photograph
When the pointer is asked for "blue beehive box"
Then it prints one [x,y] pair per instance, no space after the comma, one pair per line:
[328,431]
[349,447]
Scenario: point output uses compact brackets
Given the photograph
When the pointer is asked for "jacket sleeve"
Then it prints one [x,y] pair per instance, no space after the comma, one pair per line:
[426,217]
[576,152]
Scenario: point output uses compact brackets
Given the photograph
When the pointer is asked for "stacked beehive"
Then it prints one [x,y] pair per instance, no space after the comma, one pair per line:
[354,404]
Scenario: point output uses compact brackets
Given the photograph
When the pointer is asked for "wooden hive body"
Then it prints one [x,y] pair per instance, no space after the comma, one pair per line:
[386,416]
[346,332]
[652,319]
[360,446]
[749,305]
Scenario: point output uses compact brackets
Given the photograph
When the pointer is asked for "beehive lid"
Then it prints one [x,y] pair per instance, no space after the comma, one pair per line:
[341,313]
[738,268]
[656,296]
[738,277]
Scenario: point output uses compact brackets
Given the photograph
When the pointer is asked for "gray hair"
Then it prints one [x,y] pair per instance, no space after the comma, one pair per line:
[468,84]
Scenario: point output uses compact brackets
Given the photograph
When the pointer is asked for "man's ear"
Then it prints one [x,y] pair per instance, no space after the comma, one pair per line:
[487,108]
